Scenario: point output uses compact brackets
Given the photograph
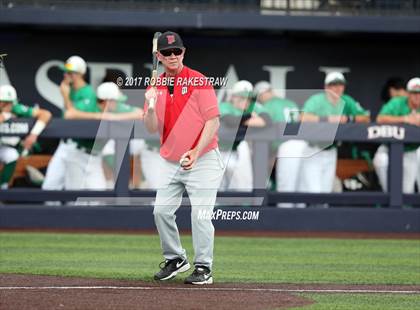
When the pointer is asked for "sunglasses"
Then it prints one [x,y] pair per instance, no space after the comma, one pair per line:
[169,52]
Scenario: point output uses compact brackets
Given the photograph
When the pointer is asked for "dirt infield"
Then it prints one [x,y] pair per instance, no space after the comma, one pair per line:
[49,292]
[124,295]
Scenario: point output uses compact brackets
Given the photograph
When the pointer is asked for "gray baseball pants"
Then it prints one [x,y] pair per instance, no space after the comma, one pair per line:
[201,184]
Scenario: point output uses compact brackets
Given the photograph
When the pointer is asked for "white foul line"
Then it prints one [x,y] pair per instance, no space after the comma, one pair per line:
[276,290]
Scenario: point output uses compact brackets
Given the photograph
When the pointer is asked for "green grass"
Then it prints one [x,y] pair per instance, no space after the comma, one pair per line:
[237,259]
[362,302]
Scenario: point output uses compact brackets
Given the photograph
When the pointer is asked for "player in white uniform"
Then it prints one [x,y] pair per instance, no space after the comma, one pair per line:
[84,166]
[73,89]
[11,108]
[136,146]
[241,111]
[290,152]
[403,109]
[334,106]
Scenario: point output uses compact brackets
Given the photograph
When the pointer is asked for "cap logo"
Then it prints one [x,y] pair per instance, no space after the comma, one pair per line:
[170,38]
[68,66]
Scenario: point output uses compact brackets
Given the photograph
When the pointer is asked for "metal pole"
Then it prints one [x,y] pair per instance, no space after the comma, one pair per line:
[122,175]
[260,163]
[395,174]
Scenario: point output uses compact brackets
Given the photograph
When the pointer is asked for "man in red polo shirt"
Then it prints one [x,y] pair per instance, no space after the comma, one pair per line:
[183,109]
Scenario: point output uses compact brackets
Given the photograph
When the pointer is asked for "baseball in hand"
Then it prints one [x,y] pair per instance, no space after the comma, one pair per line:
[151,95]
[184,160]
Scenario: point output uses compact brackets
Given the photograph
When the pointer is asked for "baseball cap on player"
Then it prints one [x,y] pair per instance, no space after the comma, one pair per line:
[242,88]
[109,91]
[74,64]
[168,40]
[335,78]
[261,87]
[8,93]
[413,85]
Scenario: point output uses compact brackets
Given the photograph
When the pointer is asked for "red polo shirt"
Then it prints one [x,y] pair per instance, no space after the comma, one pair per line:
[182,115]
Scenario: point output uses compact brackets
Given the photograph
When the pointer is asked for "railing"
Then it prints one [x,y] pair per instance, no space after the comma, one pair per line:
[332,7]
[261,138]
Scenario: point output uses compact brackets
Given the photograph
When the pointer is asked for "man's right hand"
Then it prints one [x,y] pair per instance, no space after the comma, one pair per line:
[65,88]
[150,94]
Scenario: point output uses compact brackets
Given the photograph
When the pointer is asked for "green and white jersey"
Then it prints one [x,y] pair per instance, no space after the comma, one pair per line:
[121,107]
[281,110]
[320,105]
[398,106]
[18,110]
[83,97]
[21,110]
[226,108]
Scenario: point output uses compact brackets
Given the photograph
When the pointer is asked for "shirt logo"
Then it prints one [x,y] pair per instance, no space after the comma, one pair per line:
[184,90]
[170,38]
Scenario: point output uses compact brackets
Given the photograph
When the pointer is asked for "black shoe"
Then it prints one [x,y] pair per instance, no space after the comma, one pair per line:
[200,275]
[170,268]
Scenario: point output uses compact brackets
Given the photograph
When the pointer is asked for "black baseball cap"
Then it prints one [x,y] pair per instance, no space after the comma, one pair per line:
[169,40]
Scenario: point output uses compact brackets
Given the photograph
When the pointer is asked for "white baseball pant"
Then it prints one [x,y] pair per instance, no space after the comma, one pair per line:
[83,171]
[8,154]
[418,170]
[150,161]
[288,168]
[56,170]
[238,174]
[136,147]
[318,169]
[411,168]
